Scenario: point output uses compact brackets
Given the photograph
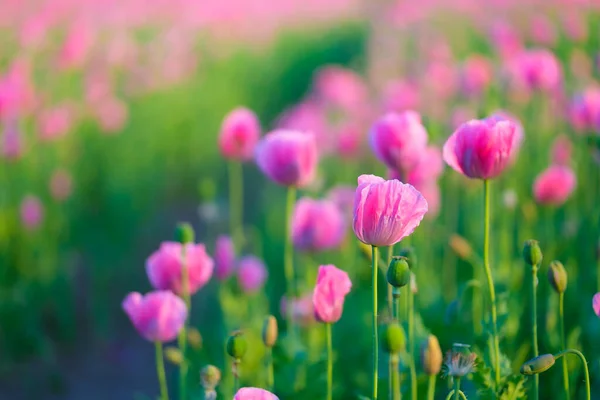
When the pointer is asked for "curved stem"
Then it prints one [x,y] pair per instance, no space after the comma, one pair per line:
[374,273]
[182,336]
[270,374]
[561,317]
[160,371]
[431,388]
[490,281]
[585,367]
[329,363]
[288,261]
[411,343]
[534,341]
[236,203]
[460,393]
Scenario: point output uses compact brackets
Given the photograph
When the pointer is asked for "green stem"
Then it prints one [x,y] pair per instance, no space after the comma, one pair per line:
[270,374]
[460,393]
[182,337]
[389,287]
[160,370]
[456,387]
[374,272]
[235,370]
[395,317]
[411,343]
[236,203]
[561,317]
[534,341]
[490,281]
[329,363]
[395,393]
[289,259]
[391,305]
[585,367]
[431,388]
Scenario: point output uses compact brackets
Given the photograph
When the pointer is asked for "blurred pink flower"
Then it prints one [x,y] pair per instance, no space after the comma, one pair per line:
[536,69]
[55,122]
[596,304]
[506,39]
[11,144]
[561,151]
[239,134]
[157,316]
[341,88]
[476,75]
[302,309]
[332,286]
[429,167]
[554,185]
[398,138]
[287,157]
[482,149]
[250,393]
[575,26]
[76,46]
[349,140]
[32,212]
[252,274]
[385,212]
[343,197]
[224,257]
[401,95]
[431,192]
[33,30]
[543,31]
[111,114]
[460,115]
[307,116]
[441,79]
[164,267]
[61,185]
[16,90]
[317,225]
[584,110]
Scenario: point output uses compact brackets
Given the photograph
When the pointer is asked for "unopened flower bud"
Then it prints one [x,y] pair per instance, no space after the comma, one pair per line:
[392,338]
[174,355]
[270,331]
[210,376]
[398,273]
[532,252]
[431,356]
[410,255]
[538,365]
[194,338]
[557,275]
[237,345]
[461,247]
[184,233]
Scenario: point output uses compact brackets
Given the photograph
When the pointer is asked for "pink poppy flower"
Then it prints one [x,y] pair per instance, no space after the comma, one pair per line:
[224,257]
[32,212]
[331,289]
[251,393]
[252,274]
[554,185]
[157,316]
[317,225]
[239,134]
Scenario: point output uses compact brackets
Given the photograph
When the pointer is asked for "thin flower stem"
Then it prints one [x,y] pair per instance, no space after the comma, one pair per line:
[456,387]
[391,305]
[160,371]
[270,374]
[585,367]
[374,272]
[182,337]
[534,341]
[395,393]
[389,287]
[411,343]
[236,203]
[329,363]
[561,317]
[394,368]
[289,260]
[490,281]
[460,393]
[431,388]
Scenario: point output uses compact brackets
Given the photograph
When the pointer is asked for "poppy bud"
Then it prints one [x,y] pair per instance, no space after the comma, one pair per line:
[431,356]
[270,331]
[398,273]
[184,233]
[210,376]
[532,252]
[461,247]
[557,275]
[538,365]
[174,355]
[237,345]
[194,338]
[392,338]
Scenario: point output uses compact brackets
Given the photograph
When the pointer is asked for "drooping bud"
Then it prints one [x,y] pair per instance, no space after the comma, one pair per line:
[393,340]
[431,356]
[237,345]
[461,247]
[194,338]
[532,252]
[538,365]
[184,233]
[410,255]
[557,275]
[270,331]
[174,355]
[398,273]
[210,376]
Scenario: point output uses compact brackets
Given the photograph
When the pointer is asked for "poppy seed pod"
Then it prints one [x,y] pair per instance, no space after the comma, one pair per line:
[393,340]
[237,345]
[431,356]
[398,273]
[184,233]
[532,254]
[557,275]
[538,365]
[210,376]
[270,331]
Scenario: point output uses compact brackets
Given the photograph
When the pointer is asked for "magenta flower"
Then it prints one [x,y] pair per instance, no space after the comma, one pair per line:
[483,148]
[401,95]
[543,31]
[584,110]
[250,393]
[385,212]
[332,286]
[429,167]
[239,134]
[476,75]
[596,304]
[398,138]
[317,225]
[554,185]
[289,158]
[164,267]
[537,69]
[157,316]
[340,87]
[252,274]
[11,143]
[55,122]
[61,185]
[32,212]
[302,311]
[224,257]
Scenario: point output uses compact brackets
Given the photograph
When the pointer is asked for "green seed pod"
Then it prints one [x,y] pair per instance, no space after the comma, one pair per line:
[174,355]
[184,233]
[538,365]
[398,273]
[532,252]
[392,338]
[210,376]
[557,275]
[237,345]
[431,356]
[270,331]
[411,256]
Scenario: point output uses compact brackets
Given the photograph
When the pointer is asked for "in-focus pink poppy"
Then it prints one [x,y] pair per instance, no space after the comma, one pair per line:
[251,393]
[252,274]
[329,294]
[385,212]
[164,267]
[554,185]
[157,316]
[317,225]
[32,212]
[224,257]
[239,134]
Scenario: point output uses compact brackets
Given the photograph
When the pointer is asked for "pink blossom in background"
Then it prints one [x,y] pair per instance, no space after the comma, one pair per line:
[164,267]
[33,30]
[329,294]
[307,116]
[385,212]
[560,154]
[98,87]
[476,75]
[289,158]
[596,304]
[302,309]
[555,185]
[61,185]
[32,212]
[505,39]
[343,197]
[543,31]
[483,149]
[17,95]
[76,46]
[11,144]
[536,69]
[111,114]
[239,134]
[250,393]
[575,26]
[401,95]
[224,257]
[157,316]
[429,167]
[317,225]
[584,110]
[55,122]
[460,115]
[397,139]
[431,192]
[252,274]
[340,87]
[441,79]
[349,140]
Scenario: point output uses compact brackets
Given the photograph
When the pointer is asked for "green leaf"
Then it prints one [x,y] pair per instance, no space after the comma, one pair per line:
[514,388]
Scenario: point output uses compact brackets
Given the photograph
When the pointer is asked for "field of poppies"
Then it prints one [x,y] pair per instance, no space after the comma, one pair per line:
[294,200]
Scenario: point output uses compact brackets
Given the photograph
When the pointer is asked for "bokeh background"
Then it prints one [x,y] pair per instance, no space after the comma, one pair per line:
[110,112]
